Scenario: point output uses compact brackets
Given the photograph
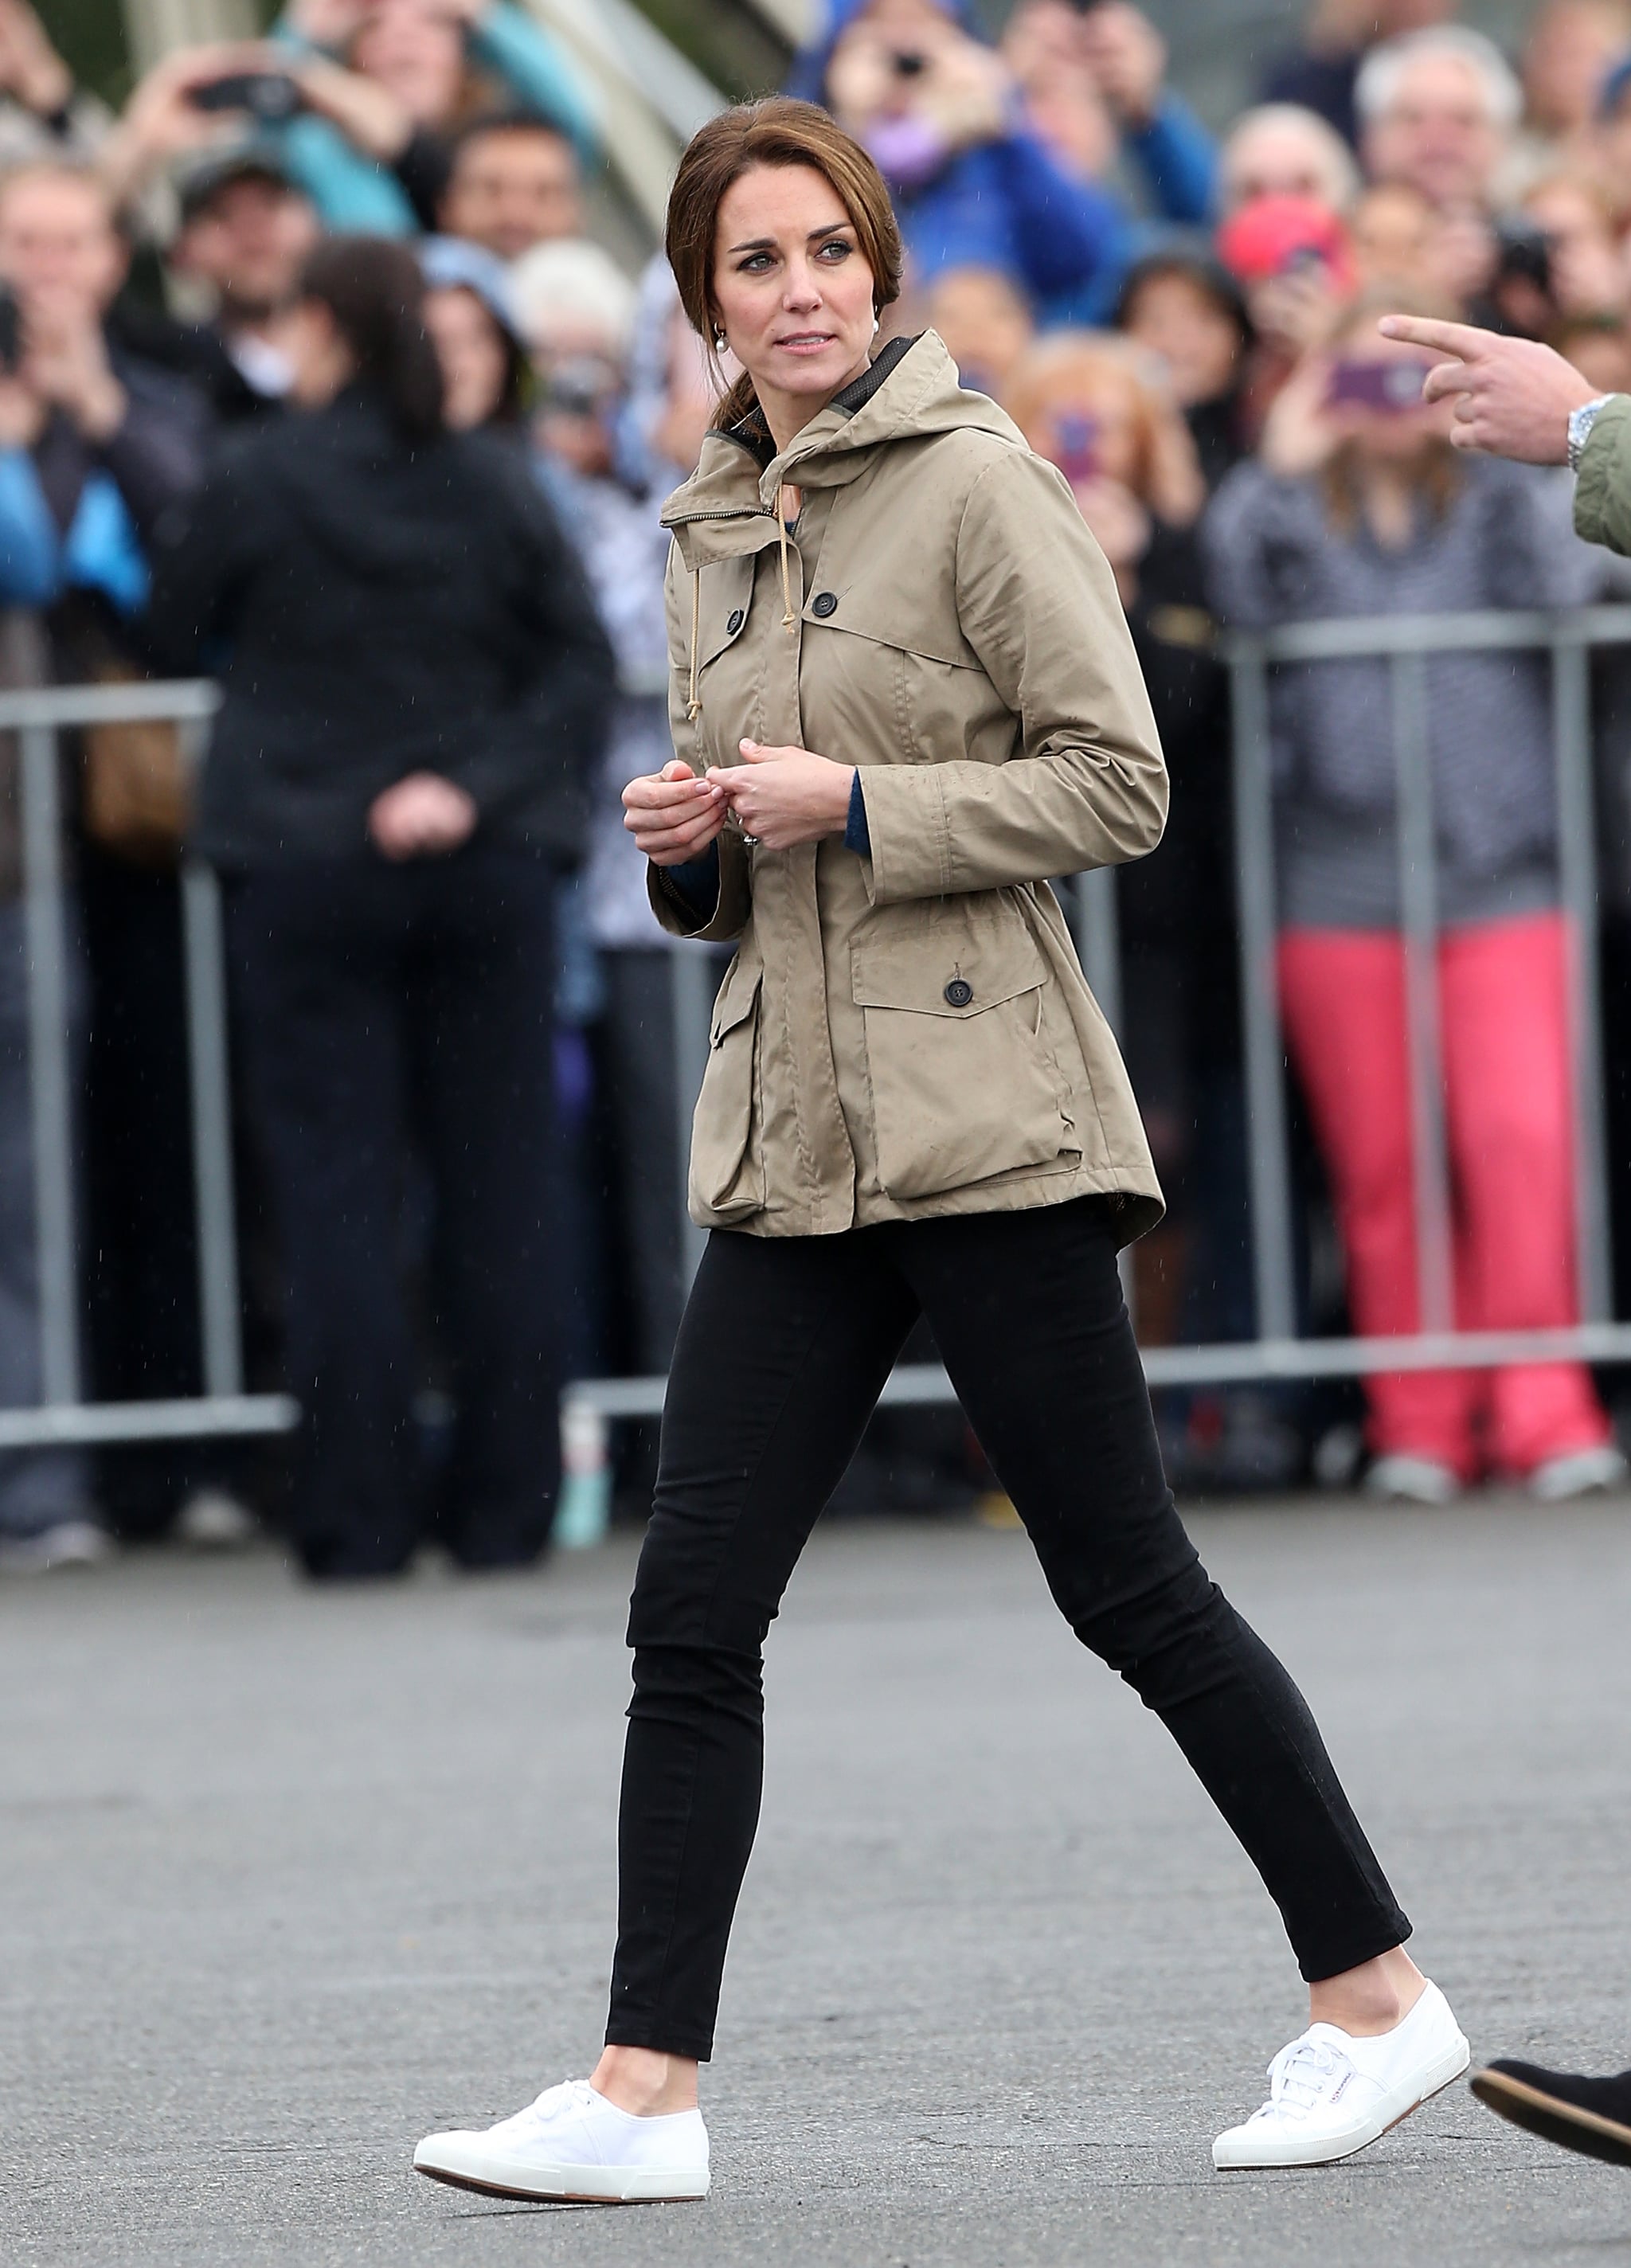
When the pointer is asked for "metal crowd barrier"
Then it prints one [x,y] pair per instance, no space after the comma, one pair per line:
[1278,1351]
[38,718]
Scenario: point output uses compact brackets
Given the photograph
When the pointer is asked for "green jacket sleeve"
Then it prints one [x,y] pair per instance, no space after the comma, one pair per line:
[1603,492]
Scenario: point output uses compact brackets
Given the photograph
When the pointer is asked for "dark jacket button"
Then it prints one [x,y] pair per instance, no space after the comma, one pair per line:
[736,622]
[824,603]
[959,992]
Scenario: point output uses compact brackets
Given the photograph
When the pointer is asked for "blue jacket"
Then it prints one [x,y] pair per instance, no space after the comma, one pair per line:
[1005,204]
[1009,204]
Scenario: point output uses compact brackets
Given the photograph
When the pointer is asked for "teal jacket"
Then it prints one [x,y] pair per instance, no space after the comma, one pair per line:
[352,191]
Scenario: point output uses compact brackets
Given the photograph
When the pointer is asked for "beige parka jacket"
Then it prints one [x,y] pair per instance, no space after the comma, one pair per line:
[909,1035]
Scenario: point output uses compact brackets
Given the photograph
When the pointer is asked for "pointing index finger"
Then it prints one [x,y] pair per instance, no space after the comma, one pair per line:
[1461,340]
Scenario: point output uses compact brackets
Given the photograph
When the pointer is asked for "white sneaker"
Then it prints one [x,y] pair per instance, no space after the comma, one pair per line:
[1577,1472]
[1412,1480]
[572,2143]
[1330,2094]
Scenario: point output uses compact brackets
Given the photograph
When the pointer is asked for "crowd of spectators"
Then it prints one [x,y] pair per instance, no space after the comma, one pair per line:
[1184,323]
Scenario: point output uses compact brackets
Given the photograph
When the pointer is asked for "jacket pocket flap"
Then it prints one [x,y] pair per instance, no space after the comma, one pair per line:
[727,594]
[863,617]
[946,978]
[737,998]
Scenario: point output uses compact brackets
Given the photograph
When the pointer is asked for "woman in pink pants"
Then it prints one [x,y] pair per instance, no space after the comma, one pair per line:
[1360,506]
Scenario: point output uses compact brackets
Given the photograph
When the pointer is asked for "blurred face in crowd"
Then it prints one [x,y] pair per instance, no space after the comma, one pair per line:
[415,50]
[58,245]
[575,424]
[791,289]
[1044,47]
[1083,416]
[1587,277]
[1437,134]
[1572,45]
[1392,230]
[513,188]
[688,399]
[903,25]
[985,323]
[250,243]
[1192,334]
[1276,156]
[473,354]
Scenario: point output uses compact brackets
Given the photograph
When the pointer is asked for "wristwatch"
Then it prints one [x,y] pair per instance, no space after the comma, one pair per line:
[1580,423]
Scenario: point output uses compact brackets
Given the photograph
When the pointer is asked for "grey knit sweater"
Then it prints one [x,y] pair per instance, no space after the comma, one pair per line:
[1272,557]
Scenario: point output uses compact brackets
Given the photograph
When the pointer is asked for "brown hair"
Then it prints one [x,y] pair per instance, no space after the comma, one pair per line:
[373,288]
[778,131]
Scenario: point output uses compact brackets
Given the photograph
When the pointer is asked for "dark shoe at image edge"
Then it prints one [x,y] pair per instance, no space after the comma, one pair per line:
[1592,2115]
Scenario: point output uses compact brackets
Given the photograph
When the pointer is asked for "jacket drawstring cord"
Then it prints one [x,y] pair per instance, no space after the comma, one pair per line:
[693,706]
[787,621]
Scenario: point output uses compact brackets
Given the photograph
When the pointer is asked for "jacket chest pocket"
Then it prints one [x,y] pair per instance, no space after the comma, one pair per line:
[963,1082]
[728,1153]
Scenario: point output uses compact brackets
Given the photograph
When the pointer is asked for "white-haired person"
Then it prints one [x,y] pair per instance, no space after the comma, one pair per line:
[1281,149]
[1438,111]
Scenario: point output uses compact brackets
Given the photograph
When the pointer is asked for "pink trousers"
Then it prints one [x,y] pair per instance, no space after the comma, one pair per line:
[1503,998]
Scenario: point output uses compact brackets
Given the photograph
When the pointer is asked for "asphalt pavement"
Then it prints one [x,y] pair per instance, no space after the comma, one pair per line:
[288,1877]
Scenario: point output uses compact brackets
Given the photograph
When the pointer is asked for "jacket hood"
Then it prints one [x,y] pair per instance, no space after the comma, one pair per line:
[910,393]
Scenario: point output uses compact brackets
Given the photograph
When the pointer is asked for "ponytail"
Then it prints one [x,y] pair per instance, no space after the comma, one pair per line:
[373,289]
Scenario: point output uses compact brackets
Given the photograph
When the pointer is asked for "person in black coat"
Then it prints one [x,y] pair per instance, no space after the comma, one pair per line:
[416,688]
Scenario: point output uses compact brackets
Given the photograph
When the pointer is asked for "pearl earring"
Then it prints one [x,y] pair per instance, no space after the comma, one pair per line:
[719,342]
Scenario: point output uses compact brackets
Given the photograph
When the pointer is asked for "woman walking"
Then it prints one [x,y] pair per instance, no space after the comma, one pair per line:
[912,1106]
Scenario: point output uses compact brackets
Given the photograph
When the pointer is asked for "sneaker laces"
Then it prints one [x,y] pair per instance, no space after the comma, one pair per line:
[1300,2075]
[568,2093]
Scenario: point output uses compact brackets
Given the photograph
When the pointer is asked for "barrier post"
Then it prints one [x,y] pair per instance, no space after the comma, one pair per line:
[50,1100]
[1258,914]
[1418,906]
[210,1078]
[1571,740]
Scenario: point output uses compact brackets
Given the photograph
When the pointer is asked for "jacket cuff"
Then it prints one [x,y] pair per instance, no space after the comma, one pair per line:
[1602,490]
[725,910]
[908,832]
[696,883]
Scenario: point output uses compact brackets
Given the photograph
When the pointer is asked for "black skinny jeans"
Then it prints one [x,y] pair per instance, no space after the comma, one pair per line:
[1026,1308]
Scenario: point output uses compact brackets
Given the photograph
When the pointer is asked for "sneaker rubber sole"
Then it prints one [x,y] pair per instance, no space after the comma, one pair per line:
[1389,2113]
[1551,2118]
[494,2176]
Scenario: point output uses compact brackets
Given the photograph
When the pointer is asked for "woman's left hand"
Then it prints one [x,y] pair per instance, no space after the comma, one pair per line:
[784,797]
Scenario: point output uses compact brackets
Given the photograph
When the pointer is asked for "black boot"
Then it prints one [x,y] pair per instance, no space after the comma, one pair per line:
[1590,2115]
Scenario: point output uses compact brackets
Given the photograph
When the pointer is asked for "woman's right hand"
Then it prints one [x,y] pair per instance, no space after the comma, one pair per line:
[672,814]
